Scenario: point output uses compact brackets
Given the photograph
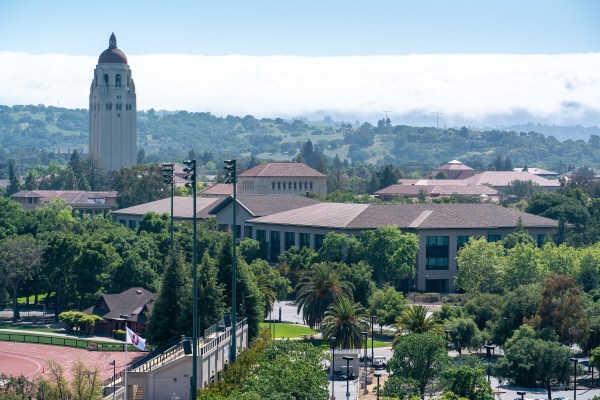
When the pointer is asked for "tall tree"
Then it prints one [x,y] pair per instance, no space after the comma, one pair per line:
[416,319]
[139,184]
[480,267]
[14,184]
[18,257]
[391,253]
[318,289]
[345,320]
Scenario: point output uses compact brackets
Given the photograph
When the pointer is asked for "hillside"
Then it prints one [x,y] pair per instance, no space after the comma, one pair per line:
[32,134]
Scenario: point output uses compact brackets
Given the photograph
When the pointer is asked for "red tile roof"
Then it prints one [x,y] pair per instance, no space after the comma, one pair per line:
[277,169]
[218,189]
[183,207]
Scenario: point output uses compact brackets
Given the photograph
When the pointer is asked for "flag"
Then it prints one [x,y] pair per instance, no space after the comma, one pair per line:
[135,340]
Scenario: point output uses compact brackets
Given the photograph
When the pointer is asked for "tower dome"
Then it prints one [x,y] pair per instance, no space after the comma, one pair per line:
[112,55]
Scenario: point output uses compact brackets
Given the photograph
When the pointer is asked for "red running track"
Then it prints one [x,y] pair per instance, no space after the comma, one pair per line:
[30,359]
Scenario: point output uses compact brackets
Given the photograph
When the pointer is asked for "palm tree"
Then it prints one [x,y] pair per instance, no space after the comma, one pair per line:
[416,319]
[345,320]
[318,289]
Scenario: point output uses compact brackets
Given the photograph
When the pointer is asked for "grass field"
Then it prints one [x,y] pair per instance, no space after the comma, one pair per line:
[8,325]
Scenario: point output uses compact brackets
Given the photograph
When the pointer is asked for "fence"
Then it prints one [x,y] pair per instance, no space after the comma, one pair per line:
[61,341]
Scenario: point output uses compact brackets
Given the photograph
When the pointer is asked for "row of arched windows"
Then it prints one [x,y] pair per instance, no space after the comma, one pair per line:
[109,106]
[291,185]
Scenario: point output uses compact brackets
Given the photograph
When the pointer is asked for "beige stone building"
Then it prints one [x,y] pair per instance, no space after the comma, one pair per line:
[80,200]
[282,178]
[112,124]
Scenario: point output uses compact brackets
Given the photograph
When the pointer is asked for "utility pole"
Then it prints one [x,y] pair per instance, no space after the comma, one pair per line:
[437,119]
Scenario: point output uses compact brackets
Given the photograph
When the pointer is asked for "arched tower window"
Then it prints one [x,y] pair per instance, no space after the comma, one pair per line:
[118,80]
[106,79]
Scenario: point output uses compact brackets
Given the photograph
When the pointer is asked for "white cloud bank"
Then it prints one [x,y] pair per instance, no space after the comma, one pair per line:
[482,89]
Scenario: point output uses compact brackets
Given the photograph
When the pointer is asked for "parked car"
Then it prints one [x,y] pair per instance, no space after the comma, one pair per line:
[379,362]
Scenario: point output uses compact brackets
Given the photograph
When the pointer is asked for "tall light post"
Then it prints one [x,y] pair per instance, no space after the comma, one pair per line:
[373,319]
[332,374]
[168,170]
[231,168]
[348,359]
[575,361]
[377,375]
[488,349]
[190,169]
[365,336]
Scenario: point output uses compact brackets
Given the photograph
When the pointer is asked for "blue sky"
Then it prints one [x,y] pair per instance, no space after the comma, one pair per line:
[302,28]
[479,62]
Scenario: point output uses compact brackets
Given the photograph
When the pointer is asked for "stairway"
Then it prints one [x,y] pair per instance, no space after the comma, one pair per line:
[139,393]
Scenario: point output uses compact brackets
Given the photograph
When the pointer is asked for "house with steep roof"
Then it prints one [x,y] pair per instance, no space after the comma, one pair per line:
[217,189]
[183,209]
[282,178]
[80,200]
[442,230]
[437,191]
[501,179]
[130,307]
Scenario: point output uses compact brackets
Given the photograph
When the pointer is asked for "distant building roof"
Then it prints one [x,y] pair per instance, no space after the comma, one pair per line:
[130,305]
[183,207]
[217,189]
[536,171]
[433,182]
[436,190]
[71,197]
[406,216]
[259,205]
[280,169]
[454,165]
[503,178]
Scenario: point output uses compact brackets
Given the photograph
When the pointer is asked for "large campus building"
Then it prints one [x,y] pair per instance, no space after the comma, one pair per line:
[112,125]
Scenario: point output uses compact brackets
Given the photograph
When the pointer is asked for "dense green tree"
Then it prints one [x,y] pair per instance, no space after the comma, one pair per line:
[464,334]
[14,183]
[399,387]
[387,304]
[272,285]
[294,261]
[588,276]
[519,305]
[339,247]
[318,289]
[467,378]
[251,250]
[139,184]
[210,294]
[480,267]
[12,218]
[91,270]
[134,271]
[360,276]
[523,265]
[391,253]
[420,356]
[533,362]
[18,257]
[345,320]
[484,308]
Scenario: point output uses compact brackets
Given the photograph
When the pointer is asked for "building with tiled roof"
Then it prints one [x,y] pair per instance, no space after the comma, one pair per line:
[183,209]
[455,170]
[437,191]
[544,173]
[80,200]
[217,189]
[282,178]
[442,230]
[131,306]
[501,179]
[253,206]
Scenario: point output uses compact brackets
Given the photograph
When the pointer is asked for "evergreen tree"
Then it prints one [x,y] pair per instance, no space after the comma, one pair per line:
[14,184]
[210,294]
[166,323]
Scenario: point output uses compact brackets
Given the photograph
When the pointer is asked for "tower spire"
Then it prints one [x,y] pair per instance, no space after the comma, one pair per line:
[112,43]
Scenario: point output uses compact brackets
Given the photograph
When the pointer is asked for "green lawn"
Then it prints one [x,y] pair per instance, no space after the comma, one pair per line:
[289,330]
[23,300]
[8,325]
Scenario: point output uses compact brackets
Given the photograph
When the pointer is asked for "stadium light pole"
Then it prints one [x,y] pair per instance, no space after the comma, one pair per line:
[231,168]
[348,359]
[575,361]
[333,339]
[365,336]
[373,318]
[190,169]
[168,170]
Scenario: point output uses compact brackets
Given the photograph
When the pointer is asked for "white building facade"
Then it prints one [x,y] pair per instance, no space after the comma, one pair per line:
[112,124]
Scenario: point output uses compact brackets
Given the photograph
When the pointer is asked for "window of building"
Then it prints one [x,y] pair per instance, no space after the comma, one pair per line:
[275,245]
[273,185]
[305,185]
[278,185]
[494,238]
[118,80]
[238,231]
[461,241]
[541,239]
[106,79]
[248,231]
[261,235]
[319,241]
[132,224]
[122,221]
[436,252]
[310,185]
[290,240]
[305,240]
[223,227]
[436,285]
[294,185]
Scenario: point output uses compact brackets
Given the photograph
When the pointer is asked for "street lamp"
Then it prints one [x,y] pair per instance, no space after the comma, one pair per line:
[373,318]
[333,338]
[575,361]
[191,179]
[377,375]
[447,332]
[522,394]
[365,336]
[231,168]
[348,359]
[488,349]
[114,364]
